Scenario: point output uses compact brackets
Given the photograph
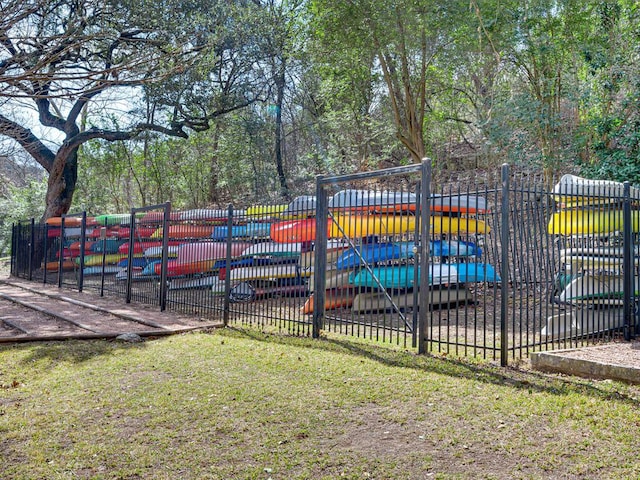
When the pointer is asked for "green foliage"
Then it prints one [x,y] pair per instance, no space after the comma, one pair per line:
[20,203]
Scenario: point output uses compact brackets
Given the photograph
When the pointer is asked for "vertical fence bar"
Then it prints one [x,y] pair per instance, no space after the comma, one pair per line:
[504,285]
[83,240]
[227,277]
[60,252]
[45,249]
[165,253]
[320,257]
[627,261]
[32,249]
[423,252]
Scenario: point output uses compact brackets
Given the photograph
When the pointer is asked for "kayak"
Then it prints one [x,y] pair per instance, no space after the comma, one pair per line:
[574,191]
[265,211]
[213,215]
[294,231]
[194,252]
[109,245]
[68,221]
[156,252]
[300,207]
[209,281]
[158,217]
[402,277]
[583,321]
[114,219]
[67,265]
[273,249]
[252,230]
[472,204]
[441,224]
[590,221]
[176,268]
[248,292]
[378,301]
[360,226]
[371,253]
[372,201]
[266,272]
[333,300]
[106,270]
[595,289]
[93,260]
[185,231]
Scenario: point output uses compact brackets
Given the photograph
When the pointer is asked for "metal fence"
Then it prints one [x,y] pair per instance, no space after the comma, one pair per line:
[510,268]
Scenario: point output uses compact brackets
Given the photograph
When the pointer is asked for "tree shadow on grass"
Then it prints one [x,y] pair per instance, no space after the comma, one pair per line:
[48,354]
[471,369]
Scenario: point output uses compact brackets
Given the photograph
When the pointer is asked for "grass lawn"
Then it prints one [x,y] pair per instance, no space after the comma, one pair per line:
[233,404]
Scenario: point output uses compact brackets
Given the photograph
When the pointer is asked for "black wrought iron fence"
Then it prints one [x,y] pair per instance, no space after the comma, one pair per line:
[510,268]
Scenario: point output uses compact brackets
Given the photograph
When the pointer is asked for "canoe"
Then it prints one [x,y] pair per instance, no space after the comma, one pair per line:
[333,300]
[185,231]
[468,204]
[453,248]
[300,207]
[595,289]
[333,279]
[67,265]
[138,262]
[193,252]
[590,221]
[583,321]
[273,249]
[267,272]
[379,302]
[573,191]
[294,231]
[402,277]
[372,201]
[214,215]
[251,230]
[265,211]
[360,226]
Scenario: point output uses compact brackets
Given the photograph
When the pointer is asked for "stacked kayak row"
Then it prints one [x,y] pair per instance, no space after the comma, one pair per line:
[270,249]
[589,282]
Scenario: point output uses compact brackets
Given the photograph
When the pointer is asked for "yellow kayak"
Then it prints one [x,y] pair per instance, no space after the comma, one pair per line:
[583,221]
[265,211]
[358,226]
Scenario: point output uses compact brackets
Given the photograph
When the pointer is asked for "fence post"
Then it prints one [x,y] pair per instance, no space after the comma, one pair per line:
[423,252]
[504,272]
[627,261]
[227,277]
[320,257]
[165,253]
[83,241]
[32,249]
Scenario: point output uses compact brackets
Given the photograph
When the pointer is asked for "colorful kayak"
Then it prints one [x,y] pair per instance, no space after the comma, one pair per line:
[186,231]
[156,252]
[68,221]
[194,252]
[360,226]
[67,265]
[106,270]
[266,272]
[214,215]
[372,201]
[457,225]
[573,191]
[273,249]
[402,277]
[379,302]
[373,253]
[114,219]
[300,207]
[254,230]
[109,245]
[472,204]
[588,221]
[294,231]
[583,321]
[595,289]
[158,217]
[176,268]
[211,282]
[93,260]
[333,300]
[265,211]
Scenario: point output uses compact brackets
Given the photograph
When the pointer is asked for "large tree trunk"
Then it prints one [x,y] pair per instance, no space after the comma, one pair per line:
[280,84]
[62,184]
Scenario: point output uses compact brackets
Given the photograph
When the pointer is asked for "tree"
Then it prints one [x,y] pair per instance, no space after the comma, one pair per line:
[190,60]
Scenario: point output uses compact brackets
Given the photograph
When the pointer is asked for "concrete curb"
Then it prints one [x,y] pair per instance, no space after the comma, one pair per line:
[555,362]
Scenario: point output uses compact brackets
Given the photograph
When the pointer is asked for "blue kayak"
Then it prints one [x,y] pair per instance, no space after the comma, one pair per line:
[403,276]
